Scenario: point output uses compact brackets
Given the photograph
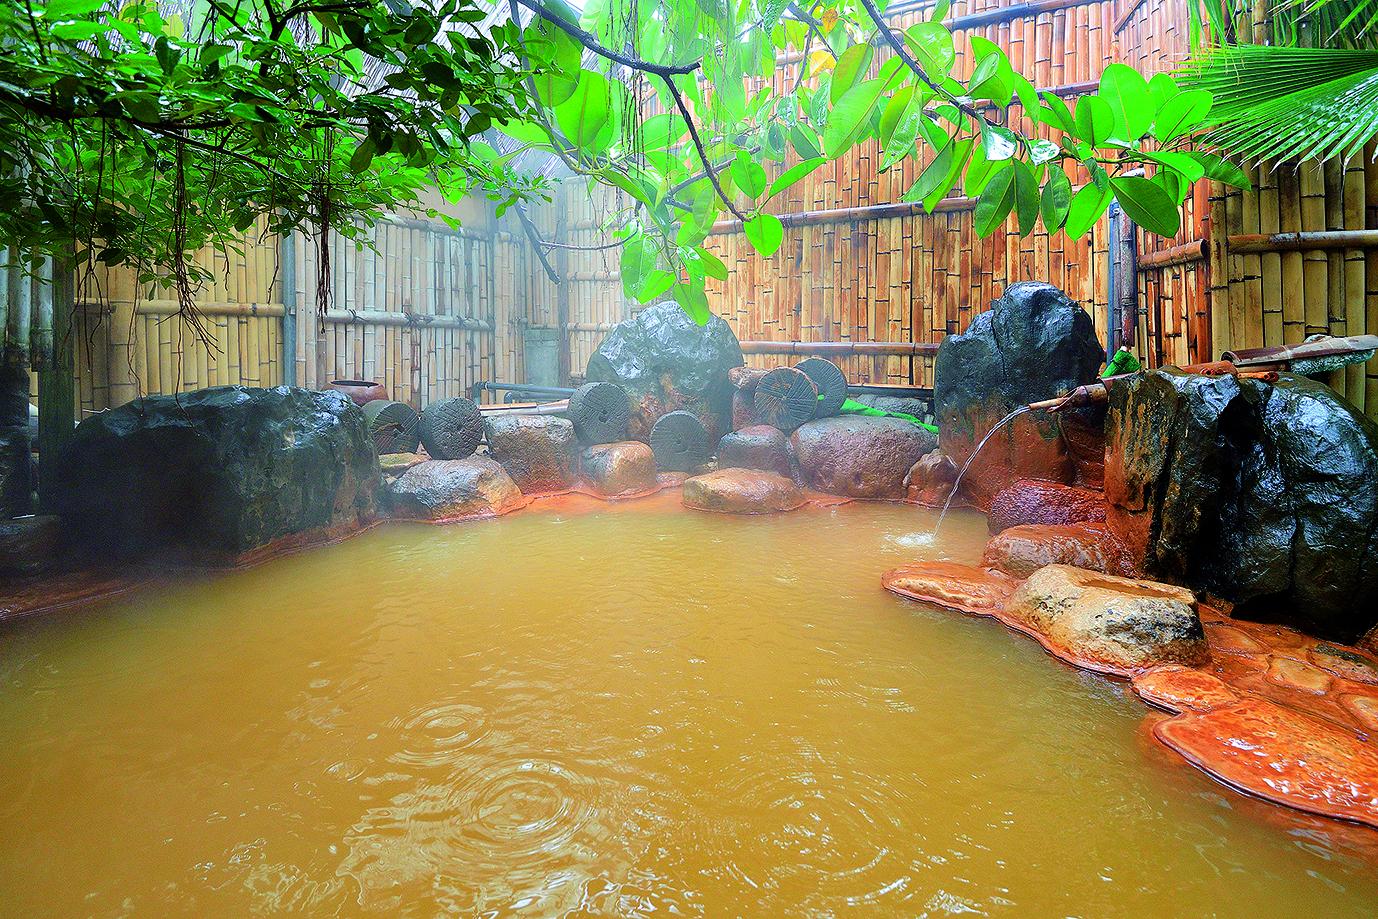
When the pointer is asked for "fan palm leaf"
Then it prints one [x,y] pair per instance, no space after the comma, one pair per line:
[1288,103]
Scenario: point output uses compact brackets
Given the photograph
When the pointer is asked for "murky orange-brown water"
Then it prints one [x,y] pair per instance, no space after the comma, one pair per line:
[614,713]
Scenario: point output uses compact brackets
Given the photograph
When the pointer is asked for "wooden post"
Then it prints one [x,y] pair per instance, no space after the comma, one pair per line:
[57,381]
[562,291]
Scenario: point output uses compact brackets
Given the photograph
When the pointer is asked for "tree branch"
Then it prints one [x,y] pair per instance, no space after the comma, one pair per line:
[965,107]
[590,41]
[698,146]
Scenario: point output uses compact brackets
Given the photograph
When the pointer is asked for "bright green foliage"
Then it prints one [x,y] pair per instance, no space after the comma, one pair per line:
[137,137]
[726,143]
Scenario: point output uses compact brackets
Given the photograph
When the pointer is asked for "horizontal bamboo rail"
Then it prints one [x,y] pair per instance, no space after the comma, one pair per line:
[379,317]
[1303,241]
[991,17]
[172,307]
[1183,254]
[841,348]
[849,214]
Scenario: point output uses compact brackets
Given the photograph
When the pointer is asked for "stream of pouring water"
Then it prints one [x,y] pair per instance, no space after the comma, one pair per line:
[963,471]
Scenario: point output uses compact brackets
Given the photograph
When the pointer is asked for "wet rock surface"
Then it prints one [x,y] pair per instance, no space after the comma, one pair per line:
[1265,494]
[454,489]
[16,472]
[757,447]
[930,481]
[539,452]
[742,491]
[921,409]
[30,545]
[1022,550]
[858,456]
[1028,501]
[617,470]
[963,588]
[1120,624]
[1033,344]
[668,362]
[214,473]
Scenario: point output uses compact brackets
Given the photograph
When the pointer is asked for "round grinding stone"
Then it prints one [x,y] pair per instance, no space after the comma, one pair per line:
[394,426]
[451,428]
[832,385]
[786,398]
[680,442]
[600,412]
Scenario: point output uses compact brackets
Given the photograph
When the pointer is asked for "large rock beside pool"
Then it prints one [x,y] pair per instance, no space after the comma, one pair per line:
[1265,494]
[1030,501]
[620,469]
[741,491]
[759,446]
[440,490]
[963,588]
[208,475]
[16,472]
[931,480]
[539,452]
[1116,624]
[1033,344]
[667,362]
[1022,550]
[30,545]
[858,456]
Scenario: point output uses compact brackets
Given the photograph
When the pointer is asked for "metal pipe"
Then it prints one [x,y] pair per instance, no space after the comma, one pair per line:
[544,408]
[477,389]
[287,270]
[882,389]
[380,317]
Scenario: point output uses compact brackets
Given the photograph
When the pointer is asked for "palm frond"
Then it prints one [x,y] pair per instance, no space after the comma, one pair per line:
[1288,103]
[1326,23]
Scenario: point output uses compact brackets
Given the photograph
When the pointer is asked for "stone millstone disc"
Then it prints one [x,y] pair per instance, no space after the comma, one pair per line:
[680,442]
[832,385]
[451,429]
[394,426]
[786,398]
[600,412]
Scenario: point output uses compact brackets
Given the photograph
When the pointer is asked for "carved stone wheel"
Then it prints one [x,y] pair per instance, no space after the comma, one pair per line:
[451,428]
[680,442]
[786,398]
[600,412]
[832,385]
[394,426]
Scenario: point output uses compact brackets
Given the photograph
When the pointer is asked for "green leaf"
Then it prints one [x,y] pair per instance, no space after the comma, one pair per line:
[893,112]
[584,115]
[1125,90]
[848,117]
[664,130]
[748,175]
[693,301]
[639,255]
[1095,120]
[906,134]
[979,171]
[1182,114]
[931,44]
[849,68]
[804,140]
[765,233]
[1161,88]
[1057,195]
[993,77]
[1055,113]
[999,143]
[1025,197]
[1147,204]
[794,174]
[1222,170]
[363,155]
[654,284]
[940,175]
[1086,208]
[1043,151]
[712,265]
[995,203]
[1190,169]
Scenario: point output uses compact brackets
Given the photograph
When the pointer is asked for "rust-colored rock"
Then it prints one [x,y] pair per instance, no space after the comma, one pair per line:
[1083,431]
[759,446]
[930,481]
[859,456]
[742,491]
[1298,675]
[1022,550]
[538,451]
[1183,689]
[440,490]
[963,588]
[1117,624]
[621,469]
[1344,662]
[1029,501]
[1280,754]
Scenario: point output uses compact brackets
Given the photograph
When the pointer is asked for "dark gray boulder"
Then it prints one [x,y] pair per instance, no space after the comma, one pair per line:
[667,362]
[539,452]
[1264,494]
[207,475]
[439,490]
[16,472]
[1032,344]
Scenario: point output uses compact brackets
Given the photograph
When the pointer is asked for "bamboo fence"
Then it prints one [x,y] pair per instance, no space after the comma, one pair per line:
[429,310]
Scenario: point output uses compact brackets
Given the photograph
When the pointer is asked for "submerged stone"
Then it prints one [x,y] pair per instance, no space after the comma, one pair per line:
[860,456]
[668,362]
[539,452]
[453,489]
[621,469]
[742,491]
[1033,344]
[211,474]
[964,588]
[1118,624]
